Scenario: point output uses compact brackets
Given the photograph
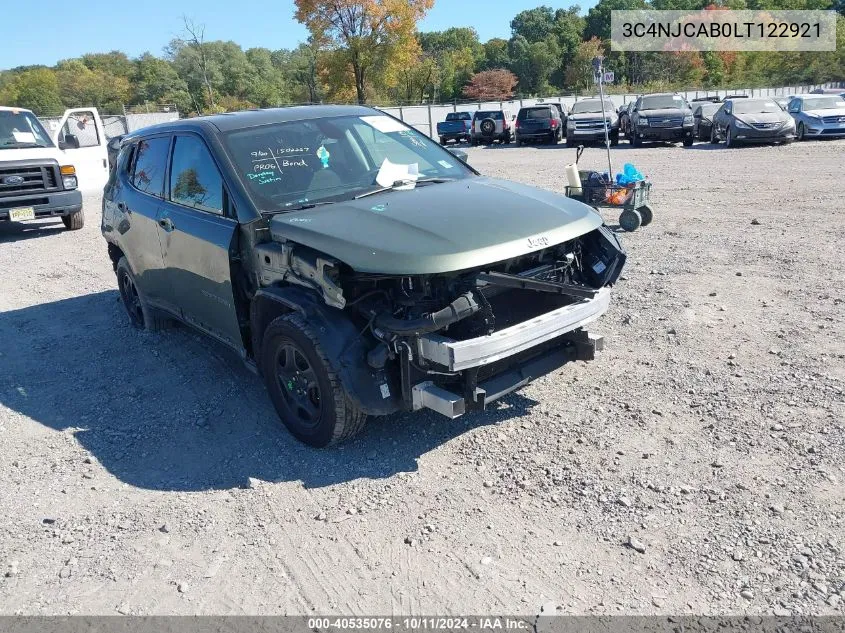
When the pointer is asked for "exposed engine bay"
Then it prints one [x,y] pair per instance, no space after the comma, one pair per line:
[437,338]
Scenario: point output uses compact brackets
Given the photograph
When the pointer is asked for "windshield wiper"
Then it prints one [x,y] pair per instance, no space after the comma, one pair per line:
[300,207]
[401,183]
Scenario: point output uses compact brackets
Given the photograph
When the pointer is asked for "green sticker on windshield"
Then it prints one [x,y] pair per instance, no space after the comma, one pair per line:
[323,154]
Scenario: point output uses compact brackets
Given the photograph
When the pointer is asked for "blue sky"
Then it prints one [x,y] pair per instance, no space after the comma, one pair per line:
[59,29]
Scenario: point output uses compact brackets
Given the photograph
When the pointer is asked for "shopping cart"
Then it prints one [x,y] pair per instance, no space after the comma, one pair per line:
[632,199]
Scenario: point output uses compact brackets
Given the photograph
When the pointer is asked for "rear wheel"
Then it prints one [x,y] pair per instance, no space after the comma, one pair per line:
[141,316]
[630,220]
[646,215]
[442,140]
[304,385]
[614,140]
[74,221]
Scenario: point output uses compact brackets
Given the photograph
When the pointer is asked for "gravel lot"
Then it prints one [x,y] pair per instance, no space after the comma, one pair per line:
[696,466]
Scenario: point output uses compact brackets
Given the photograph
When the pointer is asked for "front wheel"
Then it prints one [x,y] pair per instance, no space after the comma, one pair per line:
[304,385]
[636,141]
[630,220]
[74,221]
[729,138]
[646,214]
[688,142]
[714,138]
[799,134]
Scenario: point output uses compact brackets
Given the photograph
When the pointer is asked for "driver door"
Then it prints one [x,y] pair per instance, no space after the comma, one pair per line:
[196,226]
[81,138]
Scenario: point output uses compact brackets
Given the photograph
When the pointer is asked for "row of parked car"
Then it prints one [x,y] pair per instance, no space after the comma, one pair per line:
[663,117]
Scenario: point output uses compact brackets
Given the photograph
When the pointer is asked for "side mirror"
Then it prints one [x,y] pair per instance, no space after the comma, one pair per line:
[458,153]
[70,141]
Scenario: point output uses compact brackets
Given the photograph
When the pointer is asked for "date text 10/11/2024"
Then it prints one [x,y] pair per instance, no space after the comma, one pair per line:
[420,623]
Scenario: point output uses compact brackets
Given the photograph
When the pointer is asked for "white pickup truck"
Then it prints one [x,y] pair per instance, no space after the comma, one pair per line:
[43,174]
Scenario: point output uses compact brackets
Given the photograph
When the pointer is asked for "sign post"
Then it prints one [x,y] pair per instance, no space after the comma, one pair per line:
[600,77]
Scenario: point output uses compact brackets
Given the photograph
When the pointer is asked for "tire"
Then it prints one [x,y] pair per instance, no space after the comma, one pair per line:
[488,127]
[688,142]
[636,141]
[141,316]
[630,220]
[800,132]
[614,140]
[646,214]
[729,142]
[74,221]
[304,385]
[570,142]
[714,139]
[442,141]
[474,142]
[518,143]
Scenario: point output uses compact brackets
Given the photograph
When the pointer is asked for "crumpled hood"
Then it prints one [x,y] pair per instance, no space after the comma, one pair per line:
[438,228]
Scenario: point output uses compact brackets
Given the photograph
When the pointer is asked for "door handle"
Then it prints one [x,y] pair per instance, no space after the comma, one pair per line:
[166,224]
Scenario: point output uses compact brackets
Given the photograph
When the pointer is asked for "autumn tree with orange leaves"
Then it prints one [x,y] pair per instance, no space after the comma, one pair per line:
[365,35]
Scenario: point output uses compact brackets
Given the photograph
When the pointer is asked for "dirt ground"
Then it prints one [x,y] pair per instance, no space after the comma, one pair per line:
[696,466]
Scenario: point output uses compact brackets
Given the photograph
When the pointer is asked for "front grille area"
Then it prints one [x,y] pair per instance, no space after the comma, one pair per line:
[589,125]
[839,118]
[766,126]
[16,180]
[672,122]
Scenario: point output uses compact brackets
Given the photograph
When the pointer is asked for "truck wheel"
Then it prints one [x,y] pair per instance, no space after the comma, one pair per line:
[304,386]
[74,221]
[646,214]
[630,220]
[141,316]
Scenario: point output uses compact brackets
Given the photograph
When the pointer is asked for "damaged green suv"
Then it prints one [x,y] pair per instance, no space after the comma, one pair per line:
[356,265]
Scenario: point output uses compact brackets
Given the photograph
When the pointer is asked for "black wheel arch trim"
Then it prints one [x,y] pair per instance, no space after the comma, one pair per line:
[344,345]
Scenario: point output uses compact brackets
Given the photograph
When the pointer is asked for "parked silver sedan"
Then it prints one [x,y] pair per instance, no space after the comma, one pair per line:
[818,116]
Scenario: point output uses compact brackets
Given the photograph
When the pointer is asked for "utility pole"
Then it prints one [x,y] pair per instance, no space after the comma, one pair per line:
[598,68]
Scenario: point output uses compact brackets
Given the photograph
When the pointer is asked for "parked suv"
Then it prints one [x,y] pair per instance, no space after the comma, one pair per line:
[585,123]
[356,265]
[538,123]
[492,125]
[661,117]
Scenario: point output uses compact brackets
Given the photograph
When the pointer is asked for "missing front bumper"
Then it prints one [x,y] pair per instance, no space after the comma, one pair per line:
[475,352]
[579,345]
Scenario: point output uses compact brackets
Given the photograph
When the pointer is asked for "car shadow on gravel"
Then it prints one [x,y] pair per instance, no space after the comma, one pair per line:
[176,411]
[18,231]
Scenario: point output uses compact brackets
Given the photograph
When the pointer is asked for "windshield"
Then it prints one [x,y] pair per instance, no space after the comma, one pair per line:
[824,103]
[660,102]
[21,129]
[535,113]
[709,109]
[288,165]
[754,106]
[591,105]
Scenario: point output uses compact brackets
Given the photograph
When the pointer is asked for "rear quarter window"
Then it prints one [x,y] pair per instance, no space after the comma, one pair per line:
[150,165]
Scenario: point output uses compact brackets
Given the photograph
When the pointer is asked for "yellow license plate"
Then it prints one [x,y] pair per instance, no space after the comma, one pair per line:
[22,213]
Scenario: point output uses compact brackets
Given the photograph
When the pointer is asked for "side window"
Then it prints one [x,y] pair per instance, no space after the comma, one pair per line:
[194,179]
[151,165]
[81,124]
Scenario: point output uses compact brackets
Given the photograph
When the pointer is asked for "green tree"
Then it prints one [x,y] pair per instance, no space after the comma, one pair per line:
[36,90]
[496,54]
[598,18]
[534,63]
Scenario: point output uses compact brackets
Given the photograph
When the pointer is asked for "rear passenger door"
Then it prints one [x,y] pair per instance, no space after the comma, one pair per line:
[196,227]
[134,213]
